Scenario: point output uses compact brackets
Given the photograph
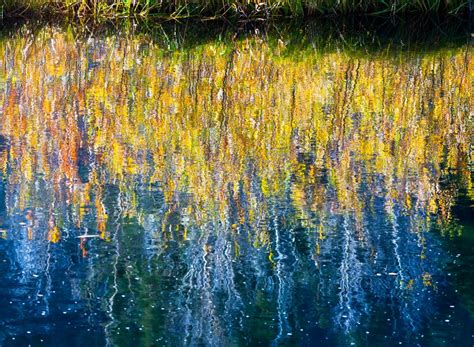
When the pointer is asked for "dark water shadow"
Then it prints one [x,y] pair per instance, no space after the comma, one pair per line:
[359,34]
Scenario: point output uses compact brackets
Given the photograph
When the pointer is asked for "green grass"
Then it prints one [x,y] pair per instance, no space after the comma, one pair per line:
[225,8]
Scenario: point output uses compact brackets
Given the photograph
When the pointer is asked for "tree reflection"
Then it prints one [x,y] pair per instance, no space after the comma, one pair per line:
[233,186]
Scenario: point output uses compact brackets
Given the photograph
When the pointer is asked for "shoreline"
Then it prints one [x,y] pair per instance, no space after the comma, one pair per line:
[228,9]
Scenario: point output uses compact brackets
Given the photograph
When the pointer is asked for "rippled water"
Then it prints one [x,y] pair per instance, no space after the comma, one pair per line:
[238,191]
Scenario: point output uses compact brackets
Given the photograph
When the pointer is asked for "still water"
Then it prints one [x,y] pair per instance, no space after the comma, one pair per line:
[239,190]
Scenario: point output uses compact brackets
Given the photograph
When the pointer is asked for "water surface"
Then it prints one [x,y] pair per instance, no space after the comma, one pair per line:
[242,190]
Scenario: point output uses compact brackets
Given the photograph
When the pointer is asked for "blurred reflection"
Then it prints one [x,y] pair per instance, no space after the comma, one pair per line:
[230,193]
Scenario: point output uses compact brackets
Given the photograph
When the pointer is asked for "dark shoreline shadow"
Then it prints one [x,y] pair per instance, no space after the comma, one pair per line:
[359,33]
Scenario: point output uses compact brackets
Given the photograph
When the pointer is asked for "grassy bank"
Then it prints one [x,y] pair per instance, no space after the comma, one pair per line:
[225,8]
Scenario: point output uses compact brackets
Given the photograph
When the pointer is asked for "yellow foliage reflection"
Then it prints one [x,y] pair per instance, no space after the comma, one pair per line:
[214,120]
